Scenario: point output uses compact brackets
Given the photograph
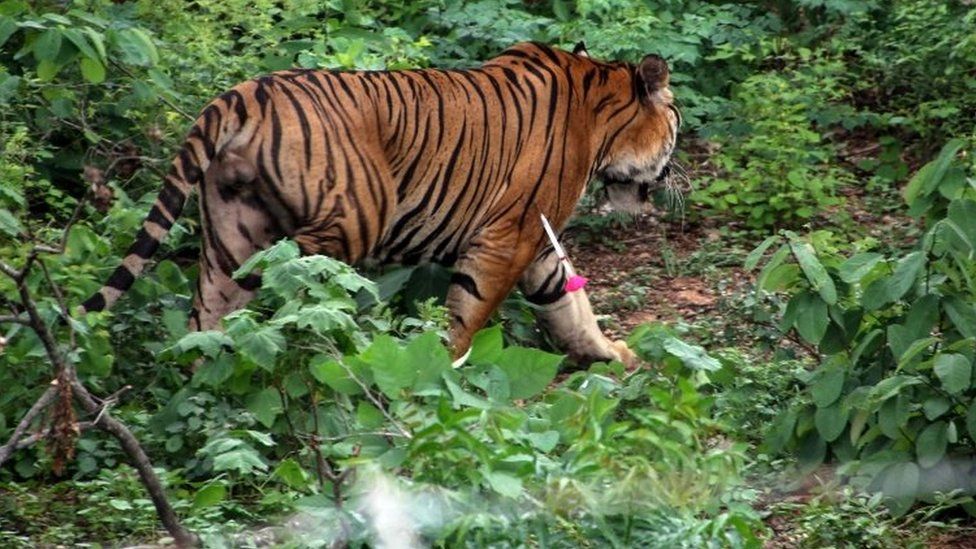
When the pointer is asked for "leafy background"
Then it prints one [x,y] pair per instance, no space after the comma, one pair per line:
[829,146]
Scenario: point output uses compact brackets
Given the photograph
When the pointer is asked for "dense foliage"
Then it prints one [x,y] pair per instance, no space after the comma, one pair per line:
[333,390]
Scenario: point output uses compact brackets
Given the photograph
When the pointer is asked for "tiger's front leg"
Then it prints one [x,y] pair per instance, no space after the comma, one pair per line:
[568,316]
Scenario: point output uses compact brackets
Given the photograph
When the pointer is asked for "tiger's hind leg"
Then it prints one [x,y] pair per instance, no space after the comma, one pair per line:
[236,224]
[568,316]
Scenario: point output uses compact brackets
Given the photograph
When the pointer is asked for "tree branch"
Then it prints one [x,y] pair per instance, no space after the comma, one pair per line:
[12,443]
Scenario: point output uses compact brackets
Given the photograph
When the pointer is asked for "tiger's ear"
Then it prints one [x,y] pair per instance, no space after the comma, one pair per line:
[652,76]
[580,49]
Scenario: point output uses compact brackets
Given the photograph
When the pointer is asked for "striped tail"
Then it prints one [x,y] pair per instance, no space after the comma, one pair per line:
[187,171]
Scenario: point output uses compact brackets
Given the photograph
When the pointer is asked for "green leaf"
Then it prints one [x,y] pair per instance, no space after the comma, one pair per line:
[369,416]
[830,421]
[905,275]
[692,356]
[811,317]
[99,43]
[764,280]
[928,178]
[505,484]
[136,47]
[92,70]
[858,266]
[529,371]
[261,346]
[8,26]
[78,39]
[9,224]
[47,70]
[211,494]
[811,451]
[814,271]
[486,346]
[429,358]
[391,369]
[781,431]
[893,415]
[962,314]
[827,385]
[265,405]
[47,46]
[331,372]
[901,480]
[971,421]
[954,371]
[935,406]
[209,343]
[930,447]
[292,474]
[755,255]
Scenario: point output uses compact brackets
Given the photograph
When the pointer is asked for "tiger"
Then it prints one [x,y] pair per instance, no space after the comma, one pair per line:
[454,167]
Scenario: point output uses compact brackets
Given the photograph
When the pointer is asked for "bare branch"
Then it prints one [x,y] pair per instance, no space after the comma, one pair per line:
[12,319]
[27,442]
[42,402]
[130,444]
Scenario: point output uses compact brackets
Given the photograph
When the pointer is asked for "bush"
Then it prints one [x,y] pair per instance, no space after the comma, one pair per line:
[893,394]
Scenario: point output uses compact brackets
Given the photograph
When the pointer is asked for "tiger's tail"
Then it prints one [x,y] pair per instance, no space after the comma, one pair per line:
[209,134]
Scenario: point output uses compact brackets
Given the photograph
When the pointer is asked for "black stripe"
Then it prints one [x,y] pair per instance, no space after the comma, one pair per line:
[466,283]
[144,246]
[156,216]
[94,303]
[121,279]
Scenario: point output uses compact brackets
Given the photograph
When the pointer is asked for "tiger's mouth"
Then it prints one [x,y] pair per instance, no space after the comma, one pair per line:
[637,197]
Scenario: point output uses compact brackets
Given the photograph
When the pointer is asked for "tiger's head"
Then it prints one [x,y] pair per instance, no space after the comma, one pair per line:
[637,159]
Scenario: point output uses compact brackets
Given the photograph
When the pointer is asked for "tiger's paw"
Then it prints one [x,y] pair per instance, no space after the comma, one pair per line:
[623,353]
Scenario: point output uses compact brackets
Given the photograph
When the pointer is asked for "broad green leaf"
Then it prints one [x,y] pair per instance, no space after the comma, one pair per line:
[8,26]
[215,372]
[954,371]
[935,406]
[827,385]
[889,387]
[369,416]
[135,47]
[901,480]
[262,346]
[859,265]
[209,343]
[265,405]
[9,224]
[331,372]
[429,358]
[76,37]
[211,494]
[544,442]
[47,46]
[763,280]
[811,451]
[391,369]
[897,338]
[811,317]
[486,346]
[815,272]
[930,446]
[506,484]
[962,314]
[47,70]
[692,356]
[928,178]
[971,421]
[905,275]
[781,431]
[92,70]
[755,255]
[529,371]
[244,460]
[893,415]
[292,474]
[831,420]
